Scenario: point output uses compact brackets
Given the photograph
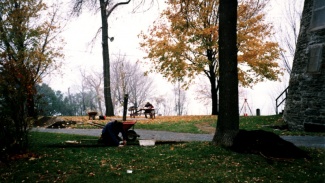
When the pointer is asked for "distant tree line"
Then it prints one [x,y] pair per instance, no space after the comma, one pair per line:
[51,103]
[126,78]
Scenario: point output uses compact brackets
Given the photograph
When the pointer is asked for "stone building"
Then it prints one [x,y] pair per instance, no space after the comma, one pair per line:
[305,104]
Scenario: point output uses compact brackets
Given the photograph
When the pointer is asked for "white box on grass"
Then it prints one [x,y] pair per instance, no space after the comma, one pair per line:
[147,142]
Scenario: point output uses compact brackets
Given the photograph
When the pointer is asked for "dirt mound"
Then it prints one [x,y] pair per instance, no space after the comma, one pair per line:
[62,124]
[54,122]
[266,144]
[45,121]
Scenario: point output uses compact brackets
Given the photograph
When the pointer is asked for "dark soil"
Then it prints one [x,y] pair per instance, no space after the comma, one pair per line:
[53,122]
[62,124]
[266,144]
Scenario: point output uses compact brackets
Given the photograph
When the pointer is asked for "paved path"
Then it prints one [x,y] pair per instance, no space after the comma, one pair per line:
[306,141]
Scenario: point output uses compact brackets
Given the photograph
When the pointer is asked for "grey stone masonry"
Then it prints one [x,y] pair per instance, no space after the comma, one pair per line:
[305,104]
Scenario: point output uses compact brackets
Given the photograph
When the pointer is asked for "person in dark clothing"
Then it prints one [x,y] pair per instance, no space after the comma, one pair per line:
[148,108]
[110,133]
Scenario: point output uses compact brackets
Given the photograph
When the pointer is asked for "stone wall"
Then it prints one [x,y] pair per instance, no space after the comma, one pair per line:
[305,104]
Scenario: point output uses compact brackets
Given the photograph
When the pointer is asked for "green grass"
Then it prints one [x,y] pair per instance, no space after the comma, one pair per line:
[185,124]
[172,127]
[54,161]
[191,124]
[266,123]
[179,126]
[199,123]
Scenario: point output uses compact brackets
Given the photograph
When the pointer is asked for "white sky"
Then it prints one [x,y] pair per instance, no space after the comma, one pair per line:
[125,26]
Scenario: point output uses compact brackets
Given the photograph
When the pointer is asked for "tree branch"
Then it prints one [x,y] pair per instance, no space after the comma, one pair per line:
[116,5]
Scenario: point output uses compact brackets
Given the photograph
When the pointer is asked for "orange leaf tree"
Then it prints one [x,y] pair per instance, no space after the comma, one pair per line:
[183,43]
[28,51]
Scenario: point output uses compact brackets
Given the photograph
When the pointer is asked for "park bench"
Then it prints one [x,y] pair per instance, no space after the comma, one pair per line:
[134,112]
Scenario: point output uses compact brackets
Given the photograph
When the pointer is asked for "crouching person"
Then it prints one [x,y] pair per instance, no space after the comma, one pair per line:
[110,133]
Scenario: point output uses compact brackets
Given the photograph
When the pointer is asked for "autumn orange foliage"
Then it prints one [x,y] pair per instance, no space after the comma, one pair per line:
[183,42]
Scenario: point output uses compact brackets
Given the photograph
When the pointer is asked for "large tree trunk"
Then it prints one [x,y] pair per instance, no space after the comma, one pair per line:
[214,84]
[228,119]
[106,67]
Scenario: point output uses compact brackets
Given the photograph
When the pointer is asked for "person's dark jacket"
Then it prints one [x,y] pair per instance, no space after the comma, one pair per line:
[110,133]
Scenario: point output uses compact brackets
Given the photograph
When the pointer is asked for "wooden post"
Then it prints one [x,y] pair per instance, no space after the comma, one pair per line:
[125,106]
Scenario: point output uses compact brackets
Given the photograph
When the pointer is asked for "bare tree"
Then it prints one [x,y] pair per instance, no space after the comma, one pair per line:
[141,86]
[180,98]
[159,103]
[127,78]
[203,93]
[118,82]
[163,102]
[288,30]
[93,81]
[288,26]
[83,94]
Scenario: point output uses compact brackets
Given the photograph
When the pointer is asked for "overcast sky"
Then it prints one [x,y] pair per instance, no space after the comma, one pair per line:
[124,26]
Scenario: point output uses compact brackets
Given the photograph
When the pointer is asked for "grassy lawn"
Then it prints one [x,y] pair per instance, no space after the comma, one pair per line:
[185,124]
[199,124]
[51,160]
